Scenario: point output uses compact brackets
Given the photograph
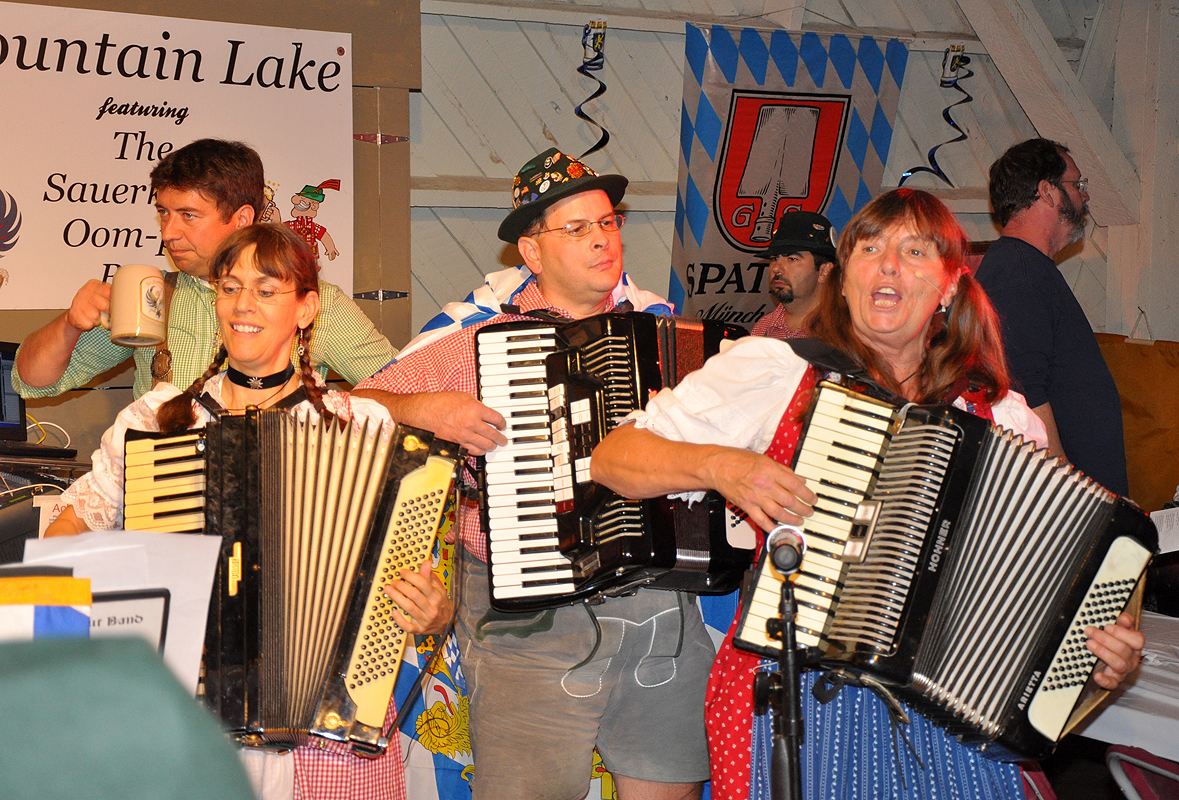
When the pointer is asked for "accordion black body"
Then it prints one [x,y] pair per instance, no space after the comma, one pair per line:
[555,536]
[970,567]
[315,519]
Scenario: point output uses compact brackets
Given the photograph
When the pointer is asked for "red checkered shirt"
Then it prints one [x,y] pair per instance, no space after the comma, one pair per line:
[327,770]
[311,231]
[774,326]
[448,365]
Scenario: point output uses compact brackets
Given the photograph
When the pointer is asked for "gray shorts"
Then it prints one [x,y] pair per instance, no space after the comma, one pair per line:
[540,703]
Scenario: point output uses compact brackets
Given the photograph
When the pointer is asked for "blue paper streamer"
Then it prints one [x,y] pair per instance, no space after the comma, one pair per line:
[593,39]
[953,62]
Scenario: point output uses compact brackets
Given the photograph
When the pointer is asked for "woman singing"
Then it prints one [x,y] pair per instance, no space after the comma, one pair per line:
[902,304]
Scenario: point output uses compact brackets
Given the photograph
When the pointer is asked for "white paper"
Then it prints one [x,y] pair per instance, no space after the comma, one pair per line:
[1144,711]
[182,563]
[1167,521]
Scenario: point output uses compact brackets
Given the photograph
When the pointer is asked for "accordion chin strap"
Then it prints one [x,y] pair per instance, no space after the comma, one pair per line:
[831,681]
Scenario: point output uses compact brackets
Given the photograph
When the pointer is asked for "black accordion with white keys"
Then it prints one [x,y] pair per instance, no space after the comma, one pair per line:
[955,563]
[555,537]
[315,518]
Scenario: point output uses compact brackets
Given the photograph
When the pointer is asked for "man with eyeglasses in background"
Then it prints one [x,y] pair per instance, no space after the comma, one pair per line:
[626,675]
[204,191]
[1040,201]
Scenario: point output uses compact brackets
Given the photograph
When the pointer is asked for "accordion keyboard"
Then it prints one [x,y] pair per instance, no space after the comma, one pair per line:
[525,556]
[164,487]
[839,455]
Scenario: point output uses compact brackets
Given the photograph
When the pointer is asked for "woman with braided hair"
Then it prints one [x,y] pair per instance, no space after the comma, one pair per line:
[266,281]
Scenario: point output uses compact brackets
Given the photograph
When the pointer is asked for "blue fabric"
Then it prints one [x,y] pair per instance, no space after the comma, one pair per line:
[849,755]
[53,621]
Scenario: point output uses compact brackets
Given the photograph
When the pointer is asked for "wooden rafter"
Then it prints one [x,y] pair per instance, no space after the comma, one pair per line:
[1056,102]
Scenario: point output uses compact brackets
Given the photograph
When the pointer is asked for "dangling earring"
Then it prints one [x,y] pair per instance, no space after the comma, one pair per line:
[303,337]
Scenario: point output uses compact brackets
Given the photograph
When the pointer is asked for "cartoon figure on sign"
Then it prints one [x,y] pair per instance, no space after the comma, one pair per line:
[306,207]
[271,212]
[9,228]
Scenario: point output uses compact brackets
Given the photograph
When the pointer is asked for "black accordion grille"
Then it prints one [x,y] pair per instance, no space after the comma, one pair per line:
[910,482]
[609,359]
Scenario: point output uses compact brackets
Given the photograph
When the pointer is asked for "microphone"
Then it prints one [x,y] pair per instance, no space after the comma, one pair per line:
[786,545]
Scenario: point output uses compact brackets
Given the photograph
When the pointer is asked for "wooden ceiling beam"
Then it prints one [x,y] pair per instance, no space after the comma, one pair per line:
[1056,102]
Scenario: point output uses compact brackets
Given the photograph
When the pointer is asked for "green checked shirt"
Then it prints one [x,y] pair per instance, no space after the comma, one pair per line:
[343,339]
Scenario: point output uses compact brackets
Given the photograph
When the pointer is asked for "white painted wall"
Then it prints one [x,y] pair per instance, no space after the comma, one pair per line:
[499,85]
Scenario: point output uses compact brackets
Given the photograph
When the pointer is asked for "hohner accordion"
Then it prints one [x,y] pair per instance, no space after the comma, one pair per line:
[315,519]
[953,561]
[555,536]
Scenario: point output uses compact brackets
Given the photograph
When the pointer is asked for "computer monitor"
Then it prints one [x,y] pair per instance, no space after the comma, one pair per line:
[12,405]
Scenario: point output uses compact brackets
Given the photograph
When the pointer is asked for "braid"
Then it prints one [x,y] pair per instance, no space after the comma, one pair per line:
[177,414]
[307,374]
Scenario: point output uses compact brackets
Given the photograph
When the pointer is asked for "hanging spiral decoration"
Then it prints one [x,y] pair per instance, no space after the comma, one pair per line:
[593,40]
[954,69]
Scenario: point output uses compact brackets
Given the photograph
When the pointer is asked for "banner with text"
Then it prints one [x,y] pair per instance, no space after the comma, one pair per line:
[94,99]
[772,121]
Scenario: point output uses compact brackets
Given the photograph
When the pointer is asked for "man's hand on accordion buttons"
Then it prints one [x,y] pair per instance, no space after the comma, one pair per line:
[463,419]
[1120,649]
[423,597]
[767,491]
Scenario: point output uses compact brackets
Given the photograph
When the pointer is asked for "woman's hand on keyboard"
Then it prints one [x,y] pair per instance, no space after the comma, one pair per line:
[767,491]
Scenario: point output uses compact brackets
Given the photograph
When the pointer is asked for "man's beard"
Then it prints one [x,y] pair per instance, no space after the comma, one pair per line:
[783,295]
[1074,217]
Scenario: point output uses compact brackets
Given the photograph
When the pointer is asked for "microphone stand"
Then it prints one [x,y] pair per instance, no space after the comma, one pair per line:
[780,691]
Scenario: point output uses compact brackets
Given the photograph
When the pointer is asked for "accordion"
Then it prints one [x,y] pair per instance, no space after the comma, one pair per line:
[315,518]
[955,563]
[555,537]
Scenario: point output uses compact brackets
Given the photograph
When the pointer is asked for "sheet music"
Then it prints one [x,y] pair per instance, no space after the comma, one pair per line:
[124,560]
[1167,521]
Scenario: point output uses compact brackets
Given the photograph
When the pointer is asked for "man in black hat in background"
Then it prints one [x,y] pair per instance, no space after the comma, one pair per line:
[626,675]
[801,256]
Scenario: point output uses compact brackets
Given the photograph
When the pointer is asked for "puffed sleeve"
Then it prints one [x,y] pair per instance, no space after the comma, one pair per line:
[1013,412]
[97,497]
[736,399]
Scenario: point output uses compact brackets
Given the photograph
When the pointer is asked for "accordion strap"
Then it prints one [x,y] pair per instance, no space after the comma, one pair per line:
[827,359]
[290,401]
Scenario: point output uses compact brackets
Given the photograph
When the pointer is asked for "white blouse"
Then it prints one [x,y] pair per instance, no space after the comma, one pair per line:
[738,397]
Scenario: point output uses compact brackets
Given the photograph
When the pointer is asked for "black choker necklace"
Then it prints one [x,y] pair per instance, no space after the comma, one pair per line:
[267,382]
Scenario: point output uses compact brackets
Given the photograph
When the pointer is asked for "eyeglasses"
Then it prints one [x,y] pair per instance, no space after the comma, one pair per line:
[263,294]
[1082,184]
[581,227]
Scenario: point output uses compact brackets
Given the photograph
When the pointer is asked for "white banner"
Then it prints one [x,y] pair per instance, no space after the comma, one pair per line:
[92,100]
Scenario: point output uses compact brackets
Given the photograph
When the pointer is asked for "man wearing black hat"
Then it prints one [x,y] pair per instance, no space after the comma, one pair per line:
[626,675]
[801,256]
